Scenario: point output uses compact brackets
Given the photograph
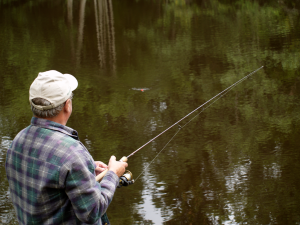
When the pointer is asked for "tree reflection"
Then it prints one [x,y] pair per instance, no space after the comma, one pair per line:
[104,29]
[70,24]
[105,32]
[76,54]
[80,31]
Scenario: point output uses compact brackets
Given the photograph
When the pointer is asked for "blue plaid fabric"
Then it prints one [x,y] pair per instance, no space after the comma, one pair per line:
[52,177]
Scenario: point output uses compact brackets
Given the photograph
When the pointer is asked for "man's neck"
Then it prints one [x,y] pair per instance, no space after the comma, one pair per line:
[57,119]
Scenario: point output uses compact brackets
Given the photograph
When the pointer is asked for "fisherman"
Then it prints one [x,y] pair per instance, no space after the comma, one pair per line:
[50,172]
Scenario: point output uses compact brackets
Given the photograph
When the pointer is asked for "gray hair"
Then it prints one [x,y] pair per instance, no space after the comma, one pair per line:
[46,113]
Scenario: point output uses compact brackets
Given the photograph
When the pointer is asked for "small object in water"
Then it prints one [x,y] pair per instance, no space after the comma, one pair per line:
[140,89]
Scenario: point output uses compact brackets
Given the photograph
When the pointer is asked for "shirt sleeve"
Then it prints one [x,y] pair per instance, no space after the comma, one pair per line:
[89,198]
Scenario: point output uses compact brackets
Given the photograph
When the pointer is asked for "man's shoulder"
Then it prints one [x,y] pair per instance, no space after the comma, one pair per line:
[49,145]
[21,133]
[44,135]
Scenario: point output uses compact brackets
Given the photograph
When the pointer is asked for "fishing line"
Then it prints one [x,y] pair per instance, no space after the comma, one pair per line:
[180,128]
[221,93]
[144,170]
[215,98]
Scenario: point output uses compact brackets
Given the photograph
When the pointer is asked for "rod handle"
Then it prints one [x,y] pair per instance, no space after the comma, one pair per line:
[101,175]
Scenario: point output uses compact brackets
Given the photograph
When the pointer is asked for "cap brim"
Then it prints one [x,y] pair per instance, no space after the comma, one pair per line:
[72,81]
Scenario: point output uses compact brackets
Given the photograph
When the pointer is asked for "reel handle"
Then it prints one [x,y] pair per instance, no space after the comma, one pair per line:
[101,175]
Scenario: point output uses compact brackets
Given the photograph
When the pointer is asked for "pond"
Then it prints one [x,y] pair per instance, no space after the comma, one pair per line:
[144,65]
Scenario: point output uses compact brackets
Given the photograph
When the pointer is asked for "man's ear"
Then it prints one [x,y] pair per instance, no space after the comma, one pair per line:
[68,106]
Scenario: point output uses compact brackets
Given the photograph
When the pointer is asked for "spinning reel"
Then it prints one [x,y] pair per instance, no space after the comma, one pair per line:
[126,179]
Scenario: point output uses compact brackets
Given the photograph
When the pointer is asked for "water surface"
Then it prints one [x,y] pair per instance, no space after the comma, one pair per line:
[236,163]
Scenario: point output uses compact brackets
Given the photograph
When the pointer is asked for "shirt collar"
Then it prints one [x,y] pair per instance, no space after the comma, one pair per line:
[54,126]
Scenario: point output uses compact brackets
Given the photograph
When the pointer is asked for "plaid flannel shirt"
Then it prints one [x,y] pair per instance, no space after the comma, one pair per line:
[52,177]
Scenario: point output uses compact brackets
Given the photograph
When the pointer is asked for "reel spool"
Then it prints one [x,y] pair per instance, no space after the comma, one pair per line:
[126,179]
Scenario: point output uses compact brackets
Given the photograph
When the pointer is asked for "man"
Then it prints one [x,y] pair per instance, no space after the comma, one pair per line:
[51,174]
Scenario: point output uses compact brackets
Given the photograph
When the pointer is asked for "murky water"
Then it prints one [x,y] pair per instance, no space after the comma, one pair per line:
[143,65]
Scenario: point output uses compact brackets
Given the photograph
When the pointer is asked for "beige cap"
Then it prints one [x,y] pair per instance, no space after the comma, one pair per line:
[52,86]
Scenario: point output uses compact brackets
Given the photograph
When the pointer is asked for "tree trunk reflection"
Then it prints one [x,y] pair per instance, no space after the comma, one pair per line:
[105,33]
[80,31]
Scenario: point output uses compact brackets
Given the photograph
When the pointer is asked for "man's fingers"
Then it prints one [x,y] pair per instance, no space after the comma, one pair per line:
[116,166]
[103,165]
[100,169]
[100,164]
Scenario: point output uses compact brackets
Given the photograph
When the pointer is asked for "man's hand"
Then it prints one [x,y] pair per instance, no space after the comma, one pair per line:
[116,166]
[100,167]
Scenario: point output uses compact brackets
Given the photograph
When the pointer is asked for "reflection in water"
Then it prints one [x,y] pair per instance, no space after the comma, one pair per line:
[80,31]
[147,208]
[104,20]
[152,193]
[70,24]
[76,54]
[105,32]
[238,162]
[7,214]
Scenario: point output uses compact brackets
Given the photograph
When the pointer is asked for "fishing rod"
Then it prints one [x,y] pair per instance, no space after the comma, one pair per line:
[127,178]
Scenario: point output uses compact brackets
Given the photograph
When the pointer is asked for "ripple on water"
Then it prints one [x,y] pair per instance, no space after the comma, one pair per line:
[7,213]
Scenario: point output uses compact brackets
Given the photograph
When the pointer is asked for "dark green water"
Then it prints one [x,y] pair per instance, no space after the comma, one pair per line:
[236,163]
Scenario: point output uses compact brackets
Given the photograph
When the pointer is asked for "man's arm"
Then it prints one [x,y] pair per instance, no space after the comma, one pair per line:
[89,199]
